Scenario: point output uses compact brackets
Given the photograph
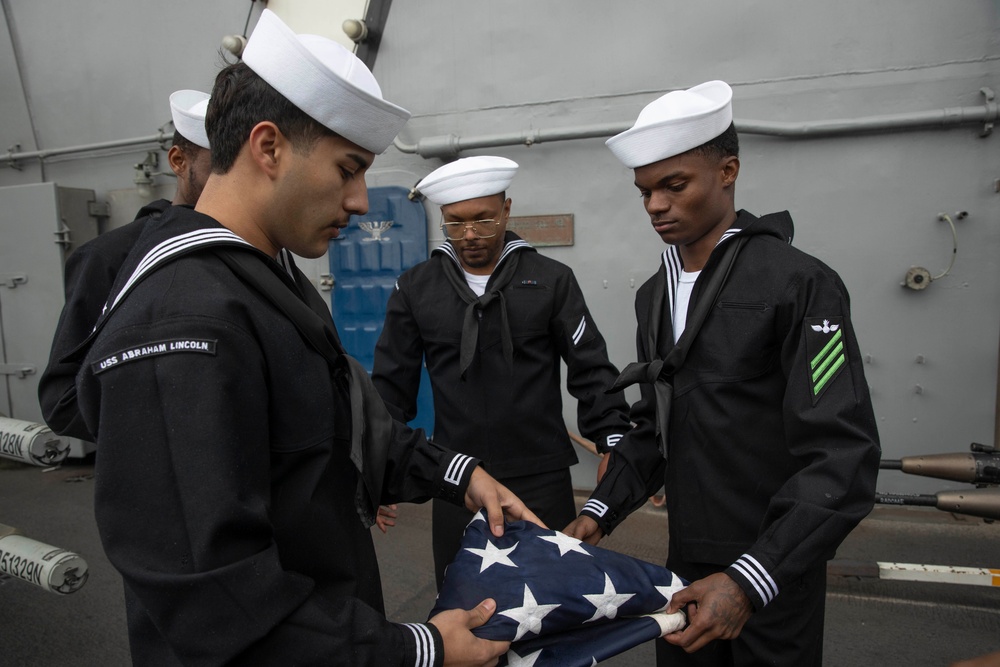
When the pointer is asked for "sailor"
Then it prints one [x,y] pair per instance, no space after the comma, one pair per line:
[493,318]
[240,466]
[92,268]
[763,434]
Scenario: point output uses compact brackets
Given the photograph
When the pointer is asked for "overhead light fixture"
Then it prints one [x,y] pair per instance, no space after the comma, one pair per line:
[355,30]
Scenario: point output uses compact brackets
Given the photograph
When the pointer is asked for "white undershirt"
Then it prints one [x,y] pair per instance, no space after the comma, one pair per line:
[684,287]
[476,283]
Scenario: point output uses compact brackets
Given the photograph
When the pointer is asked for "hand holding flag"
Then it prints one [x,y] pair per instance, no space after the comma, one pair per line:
[720,610]
[560,601]
[497,500]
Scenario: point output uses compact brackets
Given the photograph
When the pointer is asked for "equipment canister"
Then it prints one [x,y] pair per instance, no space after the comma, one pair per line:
[54,569]
[32,443]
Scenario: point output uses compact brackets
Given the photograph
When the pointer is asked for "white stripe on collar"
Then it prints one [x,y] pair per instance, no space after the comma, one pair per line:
[173,246]
[508,248]
[286,262]
[672,262]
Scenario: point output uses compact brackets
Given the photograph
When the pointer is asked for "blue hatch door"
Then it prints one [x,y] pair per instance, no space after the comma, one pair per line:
[365,261]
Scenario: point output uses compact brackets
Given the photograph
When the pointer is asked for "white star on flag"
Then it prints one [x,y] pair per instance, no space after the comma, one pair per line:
[607,603]
[563,631]
[529,615]
[514,660]
[565,543]
[491,555]
[668,591]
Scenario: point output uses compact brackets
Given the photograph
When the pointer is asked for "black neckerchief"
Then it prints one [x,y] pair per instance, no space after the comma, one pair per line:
[660,371]
[477,304]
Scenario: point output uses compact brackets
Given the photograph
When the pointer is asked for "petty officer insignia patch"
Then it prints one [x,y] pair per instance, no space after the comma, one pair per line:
[826,353]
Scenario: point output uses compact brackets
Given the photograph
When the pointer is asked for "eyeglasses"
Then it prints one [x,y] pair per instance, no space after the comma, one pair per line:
[483,229]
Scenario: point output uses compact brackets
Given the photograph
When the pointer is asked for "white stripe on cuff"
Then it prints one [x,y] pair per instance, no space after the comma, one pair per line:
[595,507]
[425,644]
[613,439]
[758,577]
[457,468]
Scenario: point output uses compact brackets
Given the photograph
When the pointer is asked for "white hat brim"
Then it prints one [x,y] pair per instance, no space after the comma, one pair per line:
[281,59]
[468,178]
[679,130]
[187,110]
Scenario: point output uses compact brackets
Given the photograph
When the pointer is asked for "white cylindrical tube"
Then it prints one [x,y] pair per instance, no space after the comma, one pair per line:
[32,443]
[54,569]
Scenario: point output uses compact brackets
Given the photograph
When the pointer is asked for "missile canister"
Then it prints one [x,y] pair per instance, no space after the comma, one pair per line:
[54,569]
[983,503]
[974,502]
[31,443]
[974,468]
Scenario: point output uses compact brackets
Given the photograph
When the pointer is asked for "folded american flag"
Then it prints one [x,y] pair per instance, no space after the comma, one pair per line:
[560,601]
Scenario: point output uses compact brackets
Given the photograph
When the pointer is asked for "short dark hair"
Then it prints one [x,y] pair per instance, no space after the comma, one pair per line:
[725,145]
[240,100]
[186,145]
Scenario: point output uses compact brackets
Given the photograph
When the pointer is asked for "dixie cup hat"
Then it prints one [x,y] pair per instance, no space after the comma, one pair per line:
[675,123]
[326,81]
[467,178]
[187,109]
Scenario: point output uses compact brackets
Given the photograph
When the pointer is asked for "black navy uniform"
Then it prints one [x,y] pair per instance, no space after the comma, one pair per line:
[772,450]
[225,487]
[90,272]
[506,412]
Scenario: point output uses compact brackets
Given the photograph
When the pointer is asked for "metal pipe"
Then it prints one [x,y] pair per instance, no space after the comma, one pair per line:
[11,158]
[451,145]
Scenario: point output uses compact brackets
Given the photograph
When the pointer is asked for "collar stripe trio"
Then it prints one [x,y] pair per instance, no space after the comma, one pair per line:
[672,263]
[171,247]
[508,248]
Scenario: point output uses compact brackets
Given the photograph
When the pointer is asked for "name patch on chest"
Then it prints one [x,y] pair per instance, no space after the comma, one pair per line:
[153,349]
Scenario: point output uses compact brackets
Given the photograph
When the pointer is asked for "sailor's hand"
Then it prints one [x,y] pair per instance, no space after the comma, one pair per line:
[717,608]
[584,529]
[498,500]
[461,647]
[386,517]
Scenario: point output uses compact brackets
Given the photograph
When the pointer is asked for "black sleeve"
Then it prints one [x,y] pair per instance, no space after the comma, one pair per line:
[399,355]
[601,417]
[88,280]
[419,469]
[829,425]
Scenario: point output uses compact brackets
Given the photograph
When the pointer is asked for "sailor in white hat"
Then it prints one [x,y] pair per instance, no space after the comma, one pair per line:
[243,452]
[190,156]
[770,453]
[474,208]
[92,267]
[517,315]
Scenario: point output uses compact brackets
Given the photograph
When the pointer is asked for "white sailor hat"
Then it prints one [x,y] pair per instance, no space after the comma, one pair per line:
[187,109]
[326,81]
[468,178]
[675,123]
